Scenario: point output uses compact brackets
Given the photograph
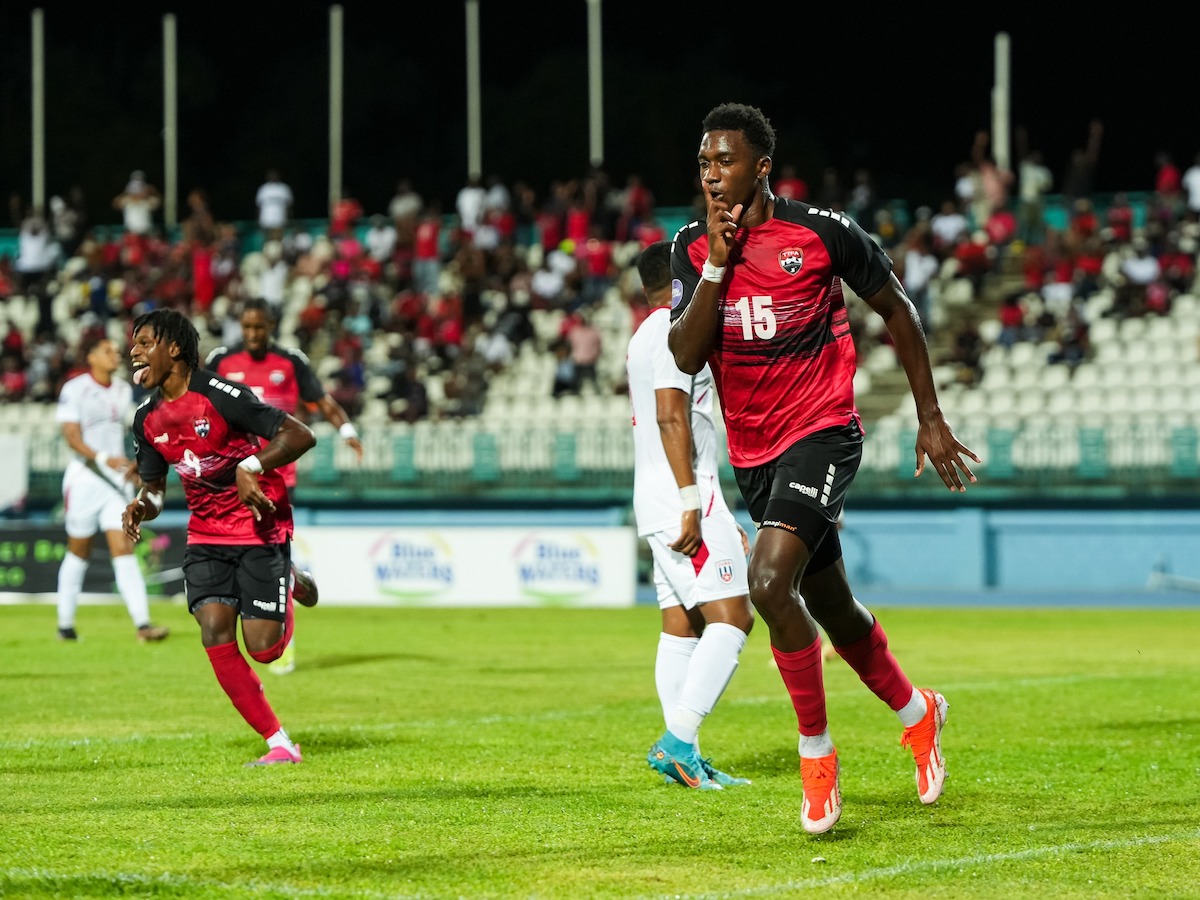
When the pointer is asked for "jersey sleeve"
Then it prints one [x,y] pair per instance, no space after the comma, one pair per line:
[240,406]
[663,370]
[214,359]
[684,274]
[311,389]
[68,409]
[858,259]
[150,463]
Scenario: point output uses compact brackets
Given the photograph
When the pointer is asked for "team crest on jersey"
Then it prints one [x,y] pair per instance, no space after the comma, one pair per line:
[725,570]
[676,292]
[202,426]
[791,260]
[276,376]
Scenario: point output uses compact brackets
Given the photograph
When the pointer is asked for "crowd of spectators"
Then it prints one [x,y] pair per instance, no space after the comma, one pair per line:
[393,303]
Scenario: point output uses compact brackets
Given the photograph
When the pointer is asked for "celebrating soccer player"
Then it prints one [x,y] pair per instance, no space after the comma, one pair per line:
[761,302]
[226,446]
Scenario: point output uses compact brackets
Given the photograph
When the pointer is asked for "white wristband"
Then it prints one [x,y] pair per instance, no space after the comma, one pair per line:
[347,432]
[101,459]
[155,499]
[712,273]
[251,464]
[690,496]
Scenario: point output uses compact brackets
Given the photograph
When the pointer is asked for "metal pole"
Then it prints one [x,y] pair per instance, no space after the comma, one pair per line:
[474,102]
[38,192]
[170,125]
[1000,104]
[335,105]
[595,84]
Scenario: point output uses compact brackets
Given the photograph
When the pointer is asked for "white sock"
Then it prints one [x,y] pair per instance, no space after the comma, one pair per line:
[714,661]
[670,669]
[70,583]
[914,710]
[132,588]
[814,746]
[281,739]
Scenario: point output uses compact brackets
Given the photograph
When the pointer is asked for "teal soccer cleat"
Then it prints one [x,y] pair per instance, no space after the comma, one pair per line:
[687,770]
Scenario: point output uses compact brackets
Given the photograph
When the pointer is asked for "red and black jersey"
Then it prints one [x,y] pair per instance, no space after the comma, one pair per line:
[784,360]
[283,378]
[204,435]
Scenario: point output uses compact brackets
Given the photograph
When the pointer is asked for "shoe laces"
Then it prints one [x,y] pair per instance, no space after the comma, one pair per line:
[815,772]
[919,737]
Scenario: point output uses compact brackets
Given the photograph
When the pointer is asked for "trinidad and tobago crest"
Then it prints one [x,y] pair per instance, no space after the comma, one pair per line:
[202,426]
[791,260]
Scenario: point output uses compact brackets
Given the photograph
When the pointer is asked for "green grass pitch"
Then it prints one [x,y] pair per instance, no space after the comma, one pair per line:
[497,753]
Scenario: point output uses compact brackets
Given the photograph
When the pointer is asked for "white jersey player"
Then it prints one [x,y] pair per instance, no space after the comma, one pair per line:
[93,410]
[698,548]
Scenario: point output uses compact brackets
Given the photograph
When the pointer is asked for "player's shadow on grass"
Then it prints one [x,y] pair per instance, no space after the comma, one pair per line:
[341,660]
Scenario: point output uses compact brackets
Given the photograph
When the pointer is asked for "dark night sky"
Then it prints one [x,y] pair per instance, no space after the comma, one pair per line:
[899,96]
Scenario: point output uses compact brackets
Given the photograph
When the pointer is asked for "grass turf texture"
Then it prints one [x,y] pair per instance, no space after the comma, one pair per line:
[501,753]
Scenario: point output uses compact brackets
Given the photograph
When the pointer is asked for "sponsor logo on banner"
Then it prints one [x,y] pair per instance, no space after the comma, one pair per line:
[412,568]
[557,570]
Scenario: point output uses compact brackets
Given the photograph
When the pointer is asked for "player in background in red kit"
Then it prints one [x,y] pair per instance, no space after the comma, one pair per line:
[283,378]
[226,446]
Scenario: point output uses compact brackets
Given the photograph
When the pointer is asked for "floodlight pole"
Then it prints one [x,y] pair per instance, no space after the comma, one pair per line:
[336,55]
[38,37]
[595,84]
[170,125]
[1001,92]
[474,96]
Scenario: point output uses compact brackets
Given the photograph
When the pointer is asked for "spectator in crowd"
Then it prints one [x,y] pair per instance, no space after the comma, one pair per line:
[919,266]
[381,240]
[469,203]
[566,377]
[37,251]
[274,201]
[1190,181]
[789,184]
[586,347]
[137,204]
[1079,180]
[1034,181]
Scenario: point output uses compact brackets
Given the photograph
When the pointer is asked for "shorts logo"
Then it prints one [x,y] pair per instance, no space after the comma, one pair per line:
[265,606]
[725,570]
[676,292]
[805,489]
[791,260]
[202,426]
[775,523]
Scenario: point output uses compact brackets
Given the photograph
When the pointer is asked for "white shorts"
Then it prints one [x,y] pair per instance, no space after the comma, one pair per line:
[716,572]
[91,504]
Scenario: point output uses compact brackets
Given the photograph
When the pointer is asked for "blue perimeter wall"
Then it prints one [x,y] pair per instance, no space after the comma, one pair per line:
[965,556]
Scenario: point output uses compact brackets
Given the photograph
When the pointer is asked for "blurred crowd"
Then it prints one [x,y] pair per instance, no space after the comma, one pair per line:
[388,301]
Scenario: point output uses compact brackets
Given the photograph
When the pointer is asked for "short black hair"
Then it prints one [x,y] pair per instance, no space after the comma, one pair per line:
[258,304]
[173,327]
[654,265]
[749,120]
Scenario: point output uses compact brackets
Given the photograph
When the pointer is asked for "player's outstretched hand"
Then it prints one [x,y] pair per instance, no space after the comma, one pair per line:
[250,493]
[936,441]
[356,445]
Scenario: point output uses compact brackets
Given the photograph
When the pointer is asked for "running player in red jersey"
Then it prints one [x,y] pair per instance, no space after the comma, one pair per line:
[226,446]
[283,378]
[760,299]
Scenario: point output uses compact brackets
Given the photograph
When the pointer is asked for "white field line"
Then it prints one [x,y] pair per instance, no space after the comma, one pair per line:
[929,865]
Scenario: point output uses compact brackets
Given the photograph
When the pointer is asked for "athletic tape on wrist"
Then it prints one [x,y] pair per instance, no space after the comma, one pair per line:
[347,432]
[690,496]
[101,459]
[251,464]
[712,273]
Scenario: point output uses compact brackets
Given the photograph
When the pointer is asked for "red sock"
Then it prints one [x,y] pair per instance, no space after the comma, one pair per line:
[877,668]
[243,687]
[805,682]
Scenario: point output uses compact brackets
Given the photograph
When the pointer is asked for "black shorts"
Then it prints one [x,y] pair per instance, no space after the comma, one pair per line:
[252,577]
[804,488]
